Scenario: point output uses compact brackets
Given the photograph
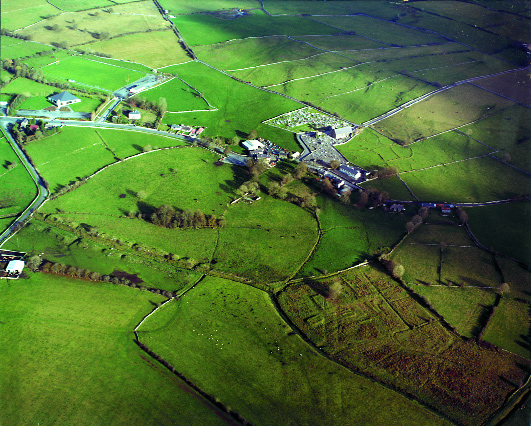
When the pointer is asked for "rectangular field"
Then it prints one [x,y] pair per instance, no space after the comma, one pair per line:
[15,48]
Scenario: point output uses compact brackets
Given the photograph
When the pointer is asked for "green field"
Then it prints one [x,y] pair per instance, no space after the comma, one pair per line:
[86,104]
[159,48]
[199,29]
[179,96]
[63,338]
[28,88]
[91,73]
[77,152]
[15,48]
[17,188]
[444,111]
[503,227]
[464,308]
[17,15]
[220,320]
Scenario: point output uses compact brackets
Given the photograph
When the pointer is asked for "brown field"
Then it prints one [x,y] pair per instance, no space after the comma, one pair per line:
[400,344]
[83,27]
[516,86]
[159,48]
[444,111]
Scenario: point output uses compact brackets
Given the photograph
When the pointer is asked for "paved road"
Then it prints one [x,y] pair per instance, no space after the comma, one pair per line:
[42,192]
[54,114]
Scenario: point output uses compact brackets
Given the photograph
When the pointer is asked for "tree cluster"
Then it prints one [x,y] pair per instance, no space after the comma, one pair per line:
[169,217]
[386,172]
[27,135]
[395,269]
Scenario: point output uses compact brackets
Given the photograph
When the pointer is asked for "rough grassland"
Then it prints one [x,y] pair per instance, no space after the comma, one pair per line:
[371,325]
[504,227]
[251,52]
[447,110]
[221,320]
[463,308]
[91,73]
[17,189]
[159,48]
[208,29]
[70,350]
[141,16]
[15,48]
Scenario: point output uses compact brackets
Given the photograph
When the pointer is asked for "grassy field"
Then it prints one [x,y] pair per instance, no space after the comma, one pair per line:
[48,58]
[92,73]
[63,336]
[28,88]
[159,48]
[350,236]
[58,245]
[78,28]
[503,227]
[13,48]
[198,29]
[343,43]
[365,323]
[477,180]
[17,15]
[240,108]
[17,189]
[464,308]
[221,320]
[447,110]
[76,152]
[179,96]
[252,52]
[86,104]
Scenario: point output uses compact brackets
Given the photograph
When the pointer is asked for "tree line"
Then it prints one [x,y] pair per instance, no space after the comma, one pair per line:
[170,217]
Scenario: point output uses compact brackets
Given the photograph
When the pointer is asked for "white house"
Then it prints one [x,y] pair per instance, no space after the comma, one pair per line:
[63,98]
[15,266]
[341,133]
[133,115]
[252,145]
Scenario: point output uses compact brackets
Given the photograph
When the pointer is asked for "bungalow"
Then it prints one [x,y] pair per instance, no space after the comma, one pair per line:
[63,99]
[133,115]
[341,133]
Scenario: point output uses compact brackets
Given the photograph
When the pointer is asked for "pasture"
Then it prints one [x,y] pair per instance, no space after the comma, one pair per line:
[159,48]
[179,96]
[515,86]
[441,112]
[59,245]
[474,180]
[200,29]
[503,227]
[343,43]
[253,52]
[508,132]
[63,336]
[48,58]
[266,241]
[364,320]
[28,88]
[178,7]
[379,30]
[13,48]
[351,236]
[17,189]
[240,108]
[221,320]
[466,309]
[78,28]
[91,73]
[16,15]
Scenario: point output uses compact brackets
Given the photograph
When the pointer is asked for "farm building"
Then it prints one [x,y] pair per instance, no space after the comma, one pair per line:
[133,115]
[353,173]
[341,133]
[15,266]
[252,145]
[63,99]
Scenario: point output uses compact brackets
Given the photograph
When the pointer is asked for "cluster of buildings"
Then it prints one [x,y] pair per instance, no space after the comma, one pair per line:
[11,264]
[187,130]
[303,116]
[259,149]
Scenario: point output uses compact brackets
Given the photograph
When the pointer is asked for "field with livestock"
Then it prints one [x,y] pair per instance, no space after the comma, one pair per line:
[221,286]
